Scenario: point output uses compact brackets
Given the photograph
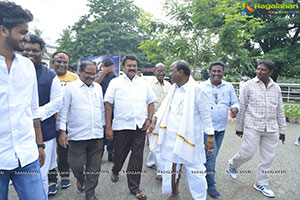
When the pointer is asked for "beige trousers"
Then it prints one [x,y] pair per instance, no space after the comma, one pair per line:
[267,142]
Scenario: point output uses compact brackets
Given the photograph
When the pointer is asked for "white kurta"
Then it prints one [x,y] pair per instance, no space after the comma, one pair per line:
[202,123]
[195,171]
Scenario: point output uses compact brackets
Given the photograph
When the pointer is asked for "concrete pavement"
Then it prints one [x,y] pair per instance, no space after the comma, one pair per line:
[285,181]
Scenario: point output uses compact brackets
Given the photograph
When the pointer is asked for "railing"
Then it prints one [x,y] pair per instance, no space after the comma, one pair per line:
[290,92]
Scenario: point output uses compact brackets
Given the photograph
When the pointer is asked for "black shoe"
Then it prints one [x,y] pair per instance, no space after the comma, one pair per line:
[213,193]
[52,190]
[65,183]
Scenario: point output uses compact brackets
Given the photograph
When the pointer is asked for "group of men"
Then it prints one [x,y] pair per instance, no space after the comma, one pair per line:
[185,122]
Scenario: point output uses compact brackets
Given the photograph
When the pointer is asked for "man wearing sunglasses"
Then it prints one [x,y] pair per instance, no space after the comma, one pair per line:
[222,98]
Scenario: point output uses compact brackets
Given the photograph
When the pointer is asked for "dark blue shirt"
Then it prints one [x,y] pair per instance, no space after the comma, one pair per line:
[105,83]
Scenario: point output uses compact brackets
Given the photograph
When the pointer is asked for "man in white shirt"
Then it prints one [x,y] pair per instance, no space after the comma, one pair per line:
[222,98]
[133,101]
[21,140]
[82,114]
[179,124]
[50,99]
[160,88]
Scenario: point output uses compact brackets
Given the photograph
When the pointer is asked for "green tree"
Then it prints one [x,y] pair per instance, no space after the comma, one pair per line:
[177,39]
[243,40]
[279,40]
[111,27]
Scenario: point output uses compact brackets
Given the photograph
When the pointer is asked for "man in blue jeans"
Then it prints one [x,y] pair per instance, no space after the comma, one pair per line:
[21,142]
[222,98]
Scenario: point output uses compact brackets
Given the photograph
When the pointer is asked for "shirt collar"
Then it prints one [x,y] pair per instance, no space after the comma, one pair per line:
[81,83]
[183,87]
[269,84]
[155,80]
[222,83]
[134,78]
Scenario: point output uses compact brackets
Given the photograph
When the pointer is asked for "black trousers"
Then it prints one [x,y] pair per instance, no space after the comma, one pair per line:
[125,141]
[63,165]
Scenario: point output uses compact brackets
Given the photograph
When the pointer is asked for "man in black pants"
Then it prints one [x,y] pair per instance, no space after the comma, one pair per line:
[60,63]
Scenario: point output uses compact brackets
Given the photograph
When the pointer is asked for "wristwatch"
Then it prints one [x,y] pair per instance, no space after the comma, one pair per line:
[149,120]
[41,146]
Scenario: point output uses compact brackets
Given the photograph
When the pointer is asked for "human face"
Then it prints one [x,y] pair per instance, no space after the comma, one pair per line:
[130,68]
[17,37]
[88,74]
[61,66]
[33,52]
[159,73]
[263,73]
[216,74]
[174,74]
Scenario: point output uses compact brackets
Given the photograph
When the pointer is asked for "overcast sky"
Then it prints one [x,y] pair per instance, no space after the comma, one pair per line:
[52,16]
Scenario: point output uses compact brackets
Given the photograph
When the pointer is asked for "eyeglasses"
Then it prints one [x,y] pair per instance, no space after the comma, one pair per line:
[90,73]
[216,98]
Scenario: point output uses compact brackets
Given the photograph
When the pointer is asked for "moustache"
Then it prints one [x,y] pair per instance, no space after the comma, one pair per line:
[131,70]
[91,79]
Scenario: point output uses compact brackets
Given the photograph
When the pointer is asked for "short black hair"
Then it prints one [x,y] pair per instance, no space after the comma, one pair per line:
[12,14]
[129,57]
[216,63]
[184,66]
[269,64]
[86,63]
[35,39]
[107,62]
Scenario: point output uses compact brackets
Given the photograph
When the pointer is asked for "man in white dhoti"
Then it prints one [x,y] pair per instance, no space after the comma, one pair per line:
[179,125]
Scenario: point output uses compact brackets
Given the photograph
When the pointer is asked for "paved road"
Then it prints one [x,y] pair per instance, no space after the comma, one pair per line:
[285,184]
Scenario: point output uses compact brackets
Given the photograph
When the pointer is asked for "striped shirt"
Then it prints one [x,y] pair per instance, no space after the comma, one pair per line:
[261,107]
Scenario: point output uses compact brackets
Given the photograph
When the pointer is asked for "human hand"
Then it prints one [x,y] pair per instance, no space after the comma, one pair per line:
[233,112]
[239,133]
[109,133]
[42,156]
[63,139]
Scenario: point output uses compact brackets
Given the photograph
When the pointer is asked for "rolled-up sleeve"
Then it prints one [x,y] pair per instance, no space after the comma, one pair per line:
[110,92]
[54,105]
[63,112]
[151,97]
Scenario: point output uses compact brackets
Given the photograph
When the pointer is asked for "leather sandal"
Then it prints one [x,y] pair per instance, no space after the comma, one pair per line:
[80,186]
[114,178]
[139,194]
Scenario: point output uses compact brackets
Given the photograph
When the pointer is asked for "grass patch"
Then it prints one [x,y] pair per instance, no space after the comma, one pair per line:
[292,110]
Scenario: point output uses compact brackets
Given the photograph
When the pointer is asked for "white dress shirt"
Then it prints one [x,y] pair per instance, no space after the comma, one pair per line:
[202,123]
[221,98]
[19,106]
[82,111]
[53,106]
[130,99]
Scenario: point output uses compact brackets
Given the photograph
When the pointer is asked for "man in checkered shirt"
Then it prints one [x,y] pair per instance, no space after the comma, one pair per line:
[261,123]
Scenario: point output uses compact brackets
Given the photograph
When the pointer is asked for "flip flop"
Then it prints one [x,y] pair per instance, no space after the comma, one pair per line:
[139,194]
[114,178]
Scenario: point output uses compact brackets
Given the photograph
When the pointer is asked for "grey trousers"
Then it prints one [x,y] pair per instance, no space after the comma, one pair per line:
[85,161]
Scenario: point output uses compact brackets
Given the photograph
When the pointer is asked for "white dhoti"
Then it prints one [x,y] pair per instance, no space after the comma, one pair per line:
[50,161]
[195,177]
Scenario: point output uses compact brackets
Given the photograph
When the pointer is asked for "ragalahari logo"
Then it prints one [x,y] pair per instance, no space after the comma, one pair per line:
[246,9]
